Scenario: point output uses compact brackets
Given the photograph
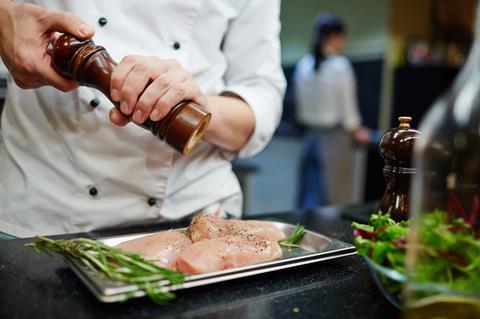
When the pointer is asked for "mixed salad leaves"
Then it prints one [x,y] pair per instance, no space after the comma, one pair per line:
[447,252]
[383,240]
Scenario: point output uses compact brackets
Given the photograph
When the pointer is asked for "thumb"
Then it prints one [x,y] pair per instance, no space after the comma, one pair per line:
[66,22]
[118,118]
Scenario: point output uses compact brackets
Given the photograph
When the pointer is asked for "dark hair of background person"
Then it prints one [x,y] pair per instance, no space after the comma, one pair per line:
[324,25]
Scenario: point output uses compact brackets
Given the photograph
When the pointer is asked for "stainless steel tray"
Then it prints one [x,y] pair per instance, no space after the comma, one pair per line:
[313,248]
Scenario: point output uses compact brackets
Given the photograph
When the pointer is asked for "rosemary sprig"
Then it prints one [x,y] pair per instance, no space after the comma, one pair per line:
[292,240]
[113,263]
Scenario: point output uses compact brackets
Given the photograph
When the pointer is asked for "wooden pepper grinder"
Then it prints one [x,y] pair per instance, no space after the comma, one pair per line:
[396,148]
[92,66]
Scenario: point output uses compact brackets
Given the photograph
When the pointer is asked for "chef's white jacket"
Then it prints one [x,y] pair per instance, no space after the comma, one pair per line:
[65,168]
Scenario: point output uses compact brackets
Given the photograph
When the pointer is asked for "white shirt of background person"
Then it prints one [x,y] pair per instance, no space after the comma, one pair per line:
[326,98]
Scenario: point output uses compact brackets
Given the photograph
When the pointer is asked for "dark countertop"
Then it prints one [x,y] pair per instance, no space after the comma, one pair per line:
[38,286]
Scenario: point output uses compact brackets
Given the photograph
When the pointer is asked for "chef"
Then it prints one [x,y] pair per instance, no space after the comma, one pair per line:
[70,162]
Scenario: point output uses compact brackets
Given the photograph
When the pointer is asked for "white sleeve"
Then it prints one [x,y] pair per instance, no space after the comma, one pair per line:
[348,98]
[254,73]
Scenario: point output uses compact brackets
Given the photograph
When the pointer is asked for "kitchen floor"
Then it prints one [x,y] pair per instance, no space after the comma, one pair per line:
[273,187]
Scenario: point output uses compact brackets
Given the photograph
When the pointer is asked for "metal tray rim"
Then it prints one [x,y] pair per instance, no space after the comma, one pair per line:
[203,282]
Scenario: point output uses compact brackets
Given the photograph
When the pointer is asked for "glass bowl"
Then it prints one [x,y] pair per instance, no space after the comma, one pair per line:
[388,281]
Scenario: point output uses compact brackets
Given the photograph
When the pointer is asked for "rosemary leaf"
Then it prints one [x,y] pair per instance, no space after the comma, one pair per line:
[115,264]
[292,240]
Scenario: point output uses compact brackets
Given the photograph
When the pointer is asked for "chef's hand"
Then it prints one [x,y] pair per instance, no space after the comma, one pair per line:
[26,30]
[148,87]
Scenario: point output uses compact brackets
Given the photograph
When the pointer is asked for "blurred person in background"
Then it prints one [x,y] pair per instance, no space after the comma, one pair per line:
[326,100]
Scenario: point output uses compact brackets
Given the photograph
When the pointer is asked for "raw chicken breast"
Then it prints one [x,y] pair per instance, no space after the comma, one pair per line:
[162,248]
[227,252]
[207,226]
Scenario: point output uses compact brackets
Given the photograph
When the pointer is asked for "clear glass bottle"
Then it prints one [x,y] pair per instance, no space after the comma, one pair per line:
[443,254]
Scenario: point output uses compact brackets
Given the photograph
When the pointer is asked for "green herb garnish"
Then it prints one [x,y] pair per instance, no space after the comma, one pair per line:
[292,240]
[114,263]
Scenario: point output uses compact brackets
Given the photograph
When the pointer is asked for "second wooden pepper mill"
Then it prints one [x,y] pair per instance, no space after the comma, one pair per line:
[396,148]
[92,66]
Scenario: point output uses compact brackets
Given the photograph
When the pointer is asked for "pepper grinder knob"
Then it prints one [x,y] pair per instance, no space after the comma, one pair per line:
[396,148]
[404,121]
[91,65]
